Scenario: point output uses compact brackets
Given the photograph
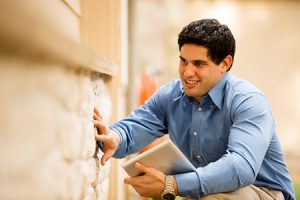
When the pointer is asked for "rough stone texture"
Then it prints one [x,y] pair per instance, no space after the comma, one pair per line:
[47,146]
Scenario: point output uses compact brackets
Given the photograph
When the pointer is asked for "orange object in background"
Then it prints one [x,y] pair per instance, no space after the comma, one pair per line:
[146,88]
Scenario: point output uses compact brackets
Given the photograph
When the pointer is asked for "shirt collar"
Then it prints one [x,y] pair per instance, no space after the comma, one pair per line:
[217,92]
[181,93]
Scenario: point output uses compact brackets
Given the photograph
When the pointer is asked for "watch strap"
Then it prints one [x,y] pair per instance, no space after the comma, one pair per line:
[169,190]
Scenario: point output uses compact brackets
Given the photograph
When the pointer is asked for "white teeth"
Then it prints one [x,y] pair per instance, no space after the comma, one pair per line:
[191,82]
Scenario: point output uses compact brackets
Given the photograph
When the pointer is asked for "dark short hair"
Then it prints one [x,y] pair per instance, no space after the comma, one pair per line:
[216,37]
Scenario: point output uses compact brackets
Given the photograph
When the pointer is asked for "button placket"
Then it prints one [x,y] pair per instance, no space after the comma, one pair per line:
[197,118]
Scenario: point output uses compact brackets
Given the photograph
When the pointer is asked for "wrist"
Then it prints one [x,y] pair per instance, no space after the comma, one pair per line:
[175,186]
[116,137]
[170,190]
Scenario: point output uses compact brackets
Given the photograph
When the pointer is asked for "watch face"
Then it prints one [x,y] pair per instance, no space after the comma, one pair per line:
[169,196]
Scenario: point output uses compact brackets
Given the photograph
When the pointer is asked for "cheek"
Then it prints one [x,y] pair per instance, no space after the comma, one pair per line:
[201,73]
[180,70]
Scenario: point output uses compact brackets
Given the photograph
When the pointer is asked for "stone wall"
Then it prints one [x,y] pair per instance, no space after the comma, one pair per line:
[47,141]
[50,83]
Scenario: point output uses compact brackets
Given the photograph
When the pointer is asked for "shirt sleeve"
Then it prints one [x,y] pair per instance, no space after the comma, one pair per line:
[142,126]
[249,138]
[188,185]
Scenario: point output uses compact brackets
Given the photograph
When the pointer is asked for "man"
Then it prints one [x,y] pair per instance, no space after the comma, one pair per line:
[222,124]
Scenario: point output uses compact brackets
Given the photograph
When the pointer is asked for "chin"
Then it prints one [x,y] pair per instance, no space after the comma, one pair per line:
[189,94]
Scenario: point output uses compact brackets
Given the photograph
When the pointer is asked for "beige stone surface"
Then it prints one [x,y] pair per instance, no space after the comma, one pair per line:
[47,141]
[51,77]
[50,82]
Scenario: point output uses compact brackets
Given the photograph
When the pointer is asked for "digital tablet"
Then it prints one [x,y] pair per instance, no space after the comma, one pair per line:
[165,157]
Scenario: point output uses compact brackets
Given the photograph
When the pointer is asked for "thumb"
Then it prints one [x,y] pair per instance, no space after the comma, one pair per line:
[103,160]
[107,155]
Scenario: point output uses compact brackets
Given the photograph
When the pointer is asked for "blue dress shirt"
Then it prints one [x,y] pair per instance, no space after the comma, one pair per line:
[229,137]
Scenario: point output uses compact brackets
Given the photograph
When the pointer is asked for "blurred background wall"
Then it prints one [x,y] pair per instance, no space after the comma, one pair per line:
[60,58]
[268,53]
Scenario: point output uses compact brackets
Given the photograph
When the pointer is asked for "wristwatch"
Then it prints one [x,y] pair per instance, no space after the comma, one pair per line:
[169,192]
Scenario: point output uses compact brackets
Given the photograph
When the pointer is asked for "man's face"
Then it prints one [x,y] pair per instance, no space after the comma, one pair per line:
[198,73]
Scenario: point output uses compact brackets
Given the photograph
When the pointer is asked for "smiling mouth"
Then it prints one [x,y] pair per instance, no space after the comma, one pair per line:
[191,82]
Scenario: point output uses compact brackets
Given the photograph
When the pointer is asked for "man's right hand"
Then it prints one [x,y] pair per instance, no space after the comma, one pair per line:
[109,138]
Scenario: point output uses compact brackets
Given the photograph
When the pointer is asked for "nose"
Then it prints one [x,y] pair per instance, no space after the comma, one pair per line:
[189,70]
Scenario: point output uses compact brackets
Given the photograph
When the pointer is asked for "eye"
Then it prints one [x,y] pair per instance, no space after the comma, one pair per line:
[183,61]
[198,63]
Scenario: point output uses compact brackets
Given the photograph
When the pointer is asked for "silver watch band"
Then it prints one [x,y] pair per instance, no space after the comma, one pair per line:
[169,189]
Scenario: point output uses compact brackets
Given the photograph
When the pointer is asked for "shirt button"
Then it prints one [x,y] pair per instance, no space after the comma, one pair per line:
[211,106]
[199,109]
[195,133]
[198,156]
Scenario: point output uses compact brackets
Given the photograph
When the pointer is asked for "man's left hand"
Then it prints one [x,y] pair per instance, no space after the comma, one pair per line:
[150,184]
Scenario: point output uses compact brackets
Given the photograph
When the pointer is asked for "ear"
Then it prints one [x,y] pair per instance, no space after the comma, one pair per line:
[226,63]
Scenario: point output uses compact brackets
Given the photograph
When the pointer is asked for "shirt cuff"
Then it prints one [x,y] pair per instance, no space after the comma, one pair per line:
[119,153]
[188,185]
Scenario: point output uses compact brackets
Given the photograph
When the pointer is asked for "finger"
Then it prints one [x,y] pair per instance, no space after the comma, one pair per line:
[101,126]
[98,123]
[127,181]
[140,167]
[132,180]
[96,117]
[96,111]
[103,160]
[102,138]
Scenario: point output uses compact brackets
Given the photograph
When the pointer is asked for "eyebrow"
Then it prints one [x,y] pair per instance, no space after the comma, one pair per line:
[195,61]
[182,58]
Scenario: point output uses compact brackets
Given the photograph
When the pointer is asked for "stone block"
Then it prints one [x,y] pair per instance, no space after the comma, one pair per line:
[89,143]
[70,136]
[47,140]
